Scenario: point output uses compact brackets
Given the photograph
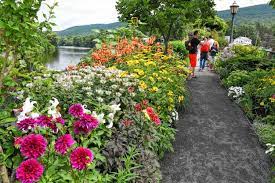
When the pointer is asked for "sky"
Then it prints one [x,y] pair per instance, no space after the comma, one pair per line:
[82,12]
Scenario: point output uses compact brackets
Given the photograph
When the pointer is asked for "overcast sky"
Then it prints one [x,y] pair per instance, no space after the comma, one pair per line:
[81,12]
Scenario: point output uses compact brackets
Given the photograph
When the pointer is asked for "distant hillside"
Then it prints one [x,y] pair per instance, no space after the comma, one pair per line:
[86,29]
[259,13]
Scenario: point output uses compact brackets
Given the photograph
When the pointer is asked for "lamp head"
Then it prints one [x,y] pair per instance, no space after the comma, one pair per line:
[234,8]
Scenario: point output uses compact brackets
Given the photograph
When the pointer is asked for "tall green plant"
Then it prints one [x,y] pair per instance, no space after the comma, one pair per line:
[22,36]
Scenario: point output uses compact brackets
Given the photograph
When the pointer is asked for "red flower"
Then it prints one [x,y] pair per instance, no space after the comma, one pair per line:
[138,107]
[33,146]
[29,171]
[153,116]
[145,103]
[131,89]
[81,157]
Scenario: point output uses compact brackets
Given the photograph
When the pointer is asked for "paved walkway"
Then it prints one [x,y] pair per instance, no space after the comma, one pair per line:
[215,142]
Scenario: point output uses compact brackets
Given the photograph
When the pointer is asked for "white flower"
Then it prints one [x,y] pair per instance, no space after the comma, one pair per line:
[52,109]
[99,99]
[35,115]
[118,94]
[111,120]
[100,92]
[175,116]
[271,148]
[99,117]
[29,85]
[108,92]
[28,105]
[235,92]
[115,107]
[87,111]
[102,81]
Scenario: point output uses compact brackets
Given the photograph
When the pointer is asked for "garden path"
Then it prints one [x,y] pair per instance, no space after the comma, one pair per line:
[215,142]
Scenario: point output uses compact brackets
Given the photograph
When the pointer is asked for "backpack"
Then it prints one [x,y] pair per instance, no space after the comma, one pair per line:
[205,47]
[187,46]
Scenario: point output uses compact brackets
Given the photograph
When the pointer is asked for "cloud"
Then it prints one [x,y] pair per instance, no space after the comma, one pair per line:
[82,12]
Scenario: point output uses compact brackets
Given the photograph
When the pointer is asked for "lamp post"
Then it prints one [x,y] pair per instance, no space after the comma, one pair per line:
[234,10]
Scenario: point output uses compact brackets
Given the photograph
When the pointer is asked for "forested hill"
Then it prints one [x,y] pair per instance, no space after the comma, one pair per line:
[86,29]
[259,13]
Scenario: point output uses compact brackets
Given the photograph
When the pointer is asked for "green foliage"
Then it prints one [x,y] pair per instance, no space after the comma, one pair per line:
[266,132]
[249,63]
[236,78]
[179,48]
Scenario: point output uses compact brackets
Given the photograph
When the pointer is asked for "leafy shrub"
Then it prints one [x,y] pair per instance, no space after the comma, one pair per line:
[179,48]
[243,51]
[248,63]
[236,78]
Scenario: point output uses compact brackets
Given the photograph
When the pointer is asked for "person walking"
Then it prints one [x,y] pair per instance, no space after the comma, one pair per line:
[205,48]
[192,47]
[213,53]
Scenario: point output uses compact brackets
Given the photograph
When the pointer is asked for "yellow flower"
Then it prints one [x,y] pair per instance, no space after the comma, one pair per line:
[170,99]
[159,108]
[154,89]
[142,85]
[123,74]
[151,79]
[262,104]
[139,72]
[272,100]
[170,93]
[181,98]
[155,75]
[170,108]
[135,75]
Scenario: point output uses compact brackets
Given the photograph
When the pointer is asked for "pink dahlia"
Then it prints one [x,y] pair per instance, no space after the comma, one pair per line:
[60,120]
[76,110]
[45,121]
[29,171]
[63,143]
[33,146]
[17,142]
[86,124]
[26,124]
[81,157]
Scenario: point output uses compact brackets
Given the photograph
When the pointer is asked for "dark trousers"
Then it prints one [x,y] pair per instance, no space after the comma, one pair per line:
[203,59]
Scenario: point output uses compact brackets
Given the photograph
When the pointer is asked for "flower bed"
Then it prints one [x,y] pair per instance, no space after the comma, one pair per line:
[108,122]
[249,75]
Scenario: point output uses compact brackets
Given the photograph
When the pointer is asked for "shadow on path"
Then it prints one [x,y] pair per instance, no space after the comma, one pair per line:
[215,142]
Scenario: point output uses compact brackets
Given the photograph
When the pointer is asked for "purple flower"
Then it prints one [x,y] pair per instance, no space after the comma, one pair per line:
[76,110]
[60,120]
[81,157]
[29,171]
[33,146]
[63,143]
[44,121]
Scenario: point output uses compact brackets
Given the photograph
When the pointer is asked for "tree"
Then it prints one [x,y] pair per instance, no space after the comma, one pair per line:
[164,17]
[22,36]
[272,3]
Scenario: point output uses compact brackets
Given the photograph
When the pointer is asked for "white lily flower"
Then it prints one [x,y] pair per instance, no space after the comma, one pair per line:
[99,117]
[115,108]
[54,103]
[87,111]
[111,119]
[175,116]
[35,115]
[28,106]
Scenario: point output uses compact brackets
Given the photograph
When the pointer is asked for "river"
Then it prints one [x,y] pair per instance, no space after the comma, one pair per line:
[66,55]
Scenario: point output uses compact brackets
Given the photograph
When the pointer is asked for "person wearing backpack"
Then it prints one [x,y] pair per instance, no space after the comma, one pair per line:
[192,46]
[205,48]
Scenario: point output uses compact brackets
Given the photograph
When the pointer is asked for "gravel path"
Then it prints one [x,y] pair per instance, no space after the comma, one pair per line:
[215,142]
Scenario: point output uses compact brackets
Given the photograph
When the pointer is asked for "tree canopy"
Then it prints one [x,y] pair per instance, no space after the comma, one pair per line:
[165,16]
